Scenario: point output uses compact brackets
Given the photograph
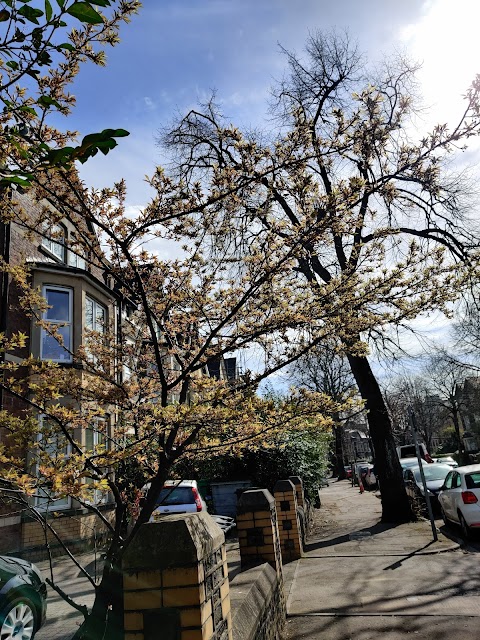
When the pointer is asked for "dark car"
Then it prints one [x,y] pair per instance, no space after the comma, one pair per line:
[435,475]
[23,595]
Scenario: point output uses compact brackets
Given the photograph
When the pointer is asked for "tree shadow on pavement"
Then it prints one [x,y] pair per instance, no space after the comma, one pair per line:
[379,527]
[395,614]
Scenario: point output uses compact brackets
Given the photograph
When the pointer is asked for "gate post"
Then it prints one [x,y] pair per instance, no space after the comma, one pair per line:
[288,521]
[175,581]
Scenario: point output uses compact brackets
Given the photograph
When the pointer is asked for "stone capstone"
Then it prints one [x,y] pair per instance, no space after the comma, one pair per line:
[174,541]
[255,500]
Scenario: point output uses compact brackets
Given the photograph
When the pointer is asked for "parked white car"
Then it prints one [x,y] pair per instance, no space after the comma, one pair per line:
[447,460]
[460,498]
[409,451]
[178,496]
[183,496]
[407,463]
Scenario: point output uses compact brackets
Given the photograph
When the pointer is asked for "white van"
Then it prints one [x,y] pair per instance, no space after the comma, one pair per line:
[408,451]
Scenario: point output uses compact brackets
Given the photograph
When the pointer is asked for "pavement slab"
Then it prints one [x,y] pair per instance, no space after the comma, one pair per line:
[363,579]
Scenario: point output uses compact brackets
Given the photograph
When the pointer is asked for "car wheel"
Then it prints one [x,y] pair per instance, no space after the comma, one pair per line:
[18,620]
[466,532]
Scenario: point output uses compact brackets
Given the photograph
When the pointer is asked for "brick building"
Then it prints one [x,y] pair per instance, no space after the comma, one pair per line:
[80,299]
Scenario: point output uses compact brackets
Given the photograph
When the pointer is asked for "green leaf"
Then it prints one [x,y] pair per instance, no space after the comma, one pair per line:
[85,13]
[26,109]
[101,3]
[9,180]
[12,64]
[60,156]
[47,101]
[67,46]
[48,10]
[95,142]
[44,59]
[61,3]
[4,15]
[104,135]
[30,13]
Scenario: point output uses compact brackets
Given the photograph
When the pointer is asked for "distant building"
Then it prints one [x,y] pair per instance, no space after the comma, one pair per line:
[357,443]
[468,398]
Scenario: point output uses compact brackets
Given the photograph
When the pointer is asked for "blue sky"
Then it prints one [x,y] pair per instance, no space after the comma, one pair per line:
[176,51]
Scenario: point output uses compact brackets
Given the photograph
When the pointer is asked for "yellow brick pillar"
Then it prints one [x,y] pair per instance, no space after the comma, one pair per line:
[301,510]
[288,521]
[175,581]
[297,481]
[258,530]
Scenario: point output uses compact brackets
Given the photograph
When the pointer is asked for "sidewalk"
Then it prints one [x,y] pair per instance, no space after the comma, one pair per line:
[364,580]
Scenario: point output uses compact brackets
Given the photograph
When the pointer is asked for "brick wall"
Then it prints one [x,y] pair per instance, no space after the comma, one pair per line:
[258,604]
[78,531]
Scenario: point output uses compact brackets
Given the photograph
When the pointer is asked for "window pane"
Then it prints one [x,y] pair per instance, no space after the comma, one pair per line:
[58,250]
[95,316]
[55,241]
[89,439]
[56,447]
[175,496]
[75,260]
[89,314]
[60,305]
[52,349]
[100,318]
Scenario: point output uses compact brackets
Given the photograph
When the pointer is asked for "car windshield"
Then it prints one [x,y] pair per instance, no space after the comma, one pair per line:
[175,495]
[472,480]
[432,472]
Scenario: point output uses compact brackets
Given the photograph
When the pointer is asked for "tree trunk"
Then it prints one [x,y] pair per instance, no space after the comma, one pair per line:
[338,432]
[395,504]
[463,458]
[105,620]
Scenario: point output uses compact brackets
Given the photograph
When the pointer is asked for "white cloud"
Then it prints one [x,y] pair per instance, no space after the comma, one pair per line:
[445,39]
[149,103]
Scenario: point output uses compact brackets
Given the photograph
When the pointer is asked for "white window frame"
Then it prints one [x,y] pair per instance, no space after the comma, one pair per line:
[99,497]
[57,247]
[96,304]
[48,503]
[69,348]
[74,259]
